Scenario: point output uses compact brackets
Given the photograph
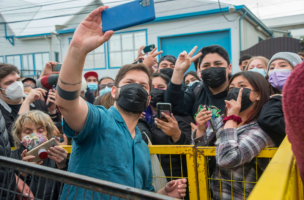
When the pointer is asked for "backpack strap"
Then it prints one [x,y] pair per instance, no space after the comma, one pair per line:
[197,90]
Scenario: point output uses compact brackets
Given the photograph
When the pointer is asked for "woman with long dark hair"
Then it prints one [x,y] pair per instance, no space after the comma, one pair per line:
[237,136]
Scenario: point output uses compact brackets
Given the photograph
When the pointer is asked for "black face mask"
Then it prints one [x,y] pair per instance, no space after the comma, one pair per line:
[167,71]
[234,93]
[133,98]
[157,96]
[244,68]
[214,77]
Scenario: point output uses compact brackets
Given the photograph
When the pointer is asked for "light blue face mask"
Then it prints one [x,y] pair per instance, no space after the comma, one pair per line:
[191,83]
[92,86]
[261,71]
[105,90]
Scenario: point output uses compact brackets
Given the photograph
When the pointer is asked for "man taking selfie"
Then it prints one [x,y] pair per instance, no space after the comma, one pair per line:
[106,143]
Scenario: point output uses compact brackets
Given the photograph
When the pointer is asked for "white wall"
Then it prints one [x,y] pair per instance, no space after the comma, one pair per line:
[250,35]
[182,26]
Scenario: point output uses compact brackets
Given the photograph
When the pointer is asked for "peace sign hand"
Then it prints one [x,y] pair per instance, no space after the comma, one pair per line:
[89,35]
[234,107]
[184,61]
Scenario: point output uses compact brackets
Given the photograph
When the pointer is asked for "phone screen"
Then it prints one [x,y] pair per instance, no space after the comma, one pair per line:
[161,117]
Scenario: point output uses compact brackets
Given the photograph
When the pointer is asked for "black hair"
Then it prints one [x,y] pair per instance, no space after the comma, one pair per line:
[193,73]
[244,57]
[259,84]
[105,77]
[213,49]
[169,58]
[161,75]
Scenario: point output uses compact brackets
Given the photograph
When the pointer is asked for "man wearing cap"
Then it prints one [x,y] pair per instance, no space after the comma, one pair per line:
[215,67]
[91,78]
[28,84]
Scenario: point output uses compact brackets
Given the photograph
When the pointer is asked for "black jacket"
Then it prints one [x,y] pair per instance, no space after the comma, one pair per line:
[5,150]
[10,117]
[158,137]
[272,119]
[34,186]
[186,103]
[145,130]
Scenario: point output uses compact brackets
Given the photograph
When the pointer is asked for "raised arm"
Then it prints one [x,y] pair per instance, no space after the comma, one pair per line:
[181,101]
[87,37]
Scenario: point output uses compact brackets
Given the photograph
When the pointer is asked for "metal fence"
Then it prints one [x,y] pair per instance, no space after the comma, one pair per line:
[49,183]
[186,153]
[194,166]
[204,159]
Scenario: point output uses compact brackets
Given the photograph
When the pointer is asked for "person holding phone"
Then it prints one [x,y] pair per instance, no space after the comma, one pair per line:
[106,139]
[166,128]
[237,136]
[38,123]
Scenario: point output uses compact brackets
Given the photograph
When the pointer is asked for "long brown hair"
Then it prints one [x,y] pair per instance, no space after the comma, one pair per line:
[259,84]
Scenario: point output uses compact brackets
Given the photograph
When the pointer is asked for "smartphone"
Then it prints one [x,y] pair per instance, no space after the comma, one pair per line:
[39,151]
[163,107]
[57,68]
[149,48]
[49,104]
[128,15]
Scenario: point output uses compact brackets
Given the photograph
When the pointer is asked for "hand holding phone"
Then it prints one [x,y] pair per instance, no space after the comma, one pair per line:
[163,108]
[57,68]
[40,152]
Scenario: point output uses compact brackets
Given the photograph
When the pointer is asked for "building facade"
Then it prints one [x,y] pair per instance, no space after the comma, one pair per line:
[177,27]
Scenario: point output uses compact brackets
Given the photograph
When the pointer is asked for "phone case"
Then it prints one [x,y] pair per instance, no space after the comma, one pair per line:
[57,68]
[163,107]
[41,149]
[149,48]
[127,15]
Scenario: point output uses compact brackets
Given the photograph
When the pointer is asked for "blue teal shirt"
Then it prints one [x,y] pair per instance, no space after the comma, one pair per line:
[105,149]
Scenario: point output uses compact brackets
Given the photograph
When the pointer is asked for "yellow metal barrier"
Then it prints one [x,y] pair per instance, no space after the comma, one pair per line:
[203,172]
[266,187]
[280,179]
[187,150]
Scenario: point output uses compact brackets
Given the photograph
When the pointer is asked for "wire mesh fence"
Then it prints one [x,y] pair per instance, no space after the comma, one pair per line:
[229,183]
[22,180]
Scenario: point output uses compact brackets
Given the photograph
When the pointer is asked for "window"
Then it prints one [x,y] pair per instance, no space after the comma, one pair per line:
[123,47]
[1,59]
[40,60]
[14,60]
[95,59]
[27,65]
[56,56]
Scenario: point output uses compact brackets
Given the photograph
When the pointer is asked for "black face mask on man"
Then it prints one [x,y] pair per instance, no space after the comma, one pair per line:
[133,98]
[234,93]
[157,96]
[167,71]
[214,77]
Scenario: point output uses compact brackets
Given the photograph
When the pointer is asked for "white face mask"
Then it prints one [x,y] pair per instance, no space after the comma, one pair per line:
[14,91]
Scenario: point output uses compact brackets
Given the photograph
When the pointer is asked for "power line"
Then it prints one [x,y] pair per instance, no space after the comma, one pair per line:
[223,13]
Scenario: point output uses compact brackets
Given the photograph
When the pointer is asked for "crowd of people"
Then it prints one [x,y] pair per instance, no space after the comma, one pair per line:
[109,122]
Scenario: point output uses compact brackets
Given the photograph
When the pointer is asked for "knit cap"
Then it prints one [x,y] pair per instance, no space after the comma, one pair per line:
[292,58]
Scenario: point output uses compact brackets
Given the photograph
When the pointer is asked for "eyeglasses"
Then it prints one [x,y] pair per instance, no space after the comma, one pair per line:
[109,85]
